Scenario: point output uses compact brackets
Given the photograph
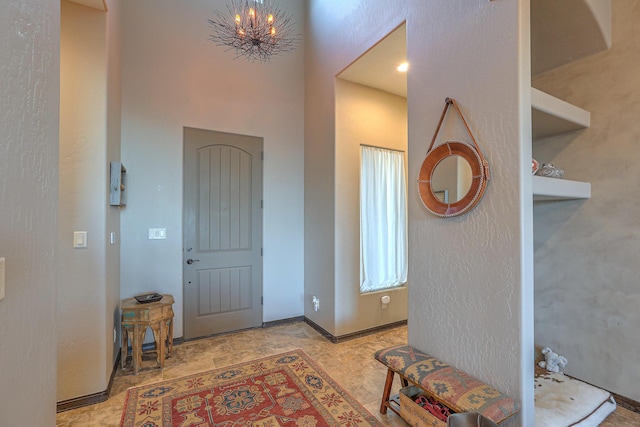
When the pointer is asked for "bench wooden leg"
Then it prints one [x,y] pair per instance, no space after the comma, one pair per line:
[386,392]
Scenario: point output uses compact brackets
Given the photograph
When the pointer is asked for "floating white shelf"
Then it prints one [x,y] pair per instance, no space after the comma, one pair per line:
[552,116]
[559,189]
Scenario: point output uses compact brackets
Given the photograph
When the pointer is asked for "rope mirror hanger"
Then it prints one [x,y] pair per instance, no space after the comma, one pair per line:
[475,183]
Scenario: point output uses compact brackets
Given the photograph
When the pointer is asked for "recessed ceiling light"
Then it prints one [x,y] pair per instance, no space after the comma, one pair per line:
[403,67]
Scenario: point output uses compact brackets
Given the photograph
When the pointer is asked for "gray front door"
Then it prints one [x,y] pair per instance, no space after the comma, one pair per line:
[222,232]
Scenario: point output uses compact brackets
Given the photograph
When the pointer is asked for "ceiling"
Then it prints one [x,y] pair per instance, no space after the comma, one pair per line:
[96,4]
[561,32]
[377,67]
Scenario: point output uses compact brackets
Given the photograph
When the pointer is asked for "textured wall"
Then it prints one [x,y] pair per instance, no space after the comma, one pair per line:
[29,85]
[586,268]
[372,117]
[470,293]
[468,300]
[173,77]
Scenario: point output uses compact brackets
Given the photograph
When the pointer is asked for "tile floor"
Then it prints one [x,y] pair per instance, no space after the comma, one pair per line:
[350,363]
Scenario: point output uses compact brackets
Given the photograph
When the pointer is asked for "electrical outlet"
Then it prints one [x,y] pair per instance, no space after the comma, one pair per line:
[114,334]
[385,300]
[316,303]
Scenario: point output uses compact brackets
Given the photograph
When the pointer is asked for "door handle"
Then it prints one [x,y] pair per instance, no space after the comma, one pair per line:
[191,261]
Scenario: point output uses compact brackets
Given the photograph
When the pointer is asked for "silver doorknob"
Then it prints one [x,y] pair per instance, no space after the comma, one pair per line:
[191,261]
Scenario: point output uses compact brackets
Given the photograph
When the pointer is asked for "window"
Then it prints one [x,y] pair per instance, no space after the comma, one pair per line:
[383,219]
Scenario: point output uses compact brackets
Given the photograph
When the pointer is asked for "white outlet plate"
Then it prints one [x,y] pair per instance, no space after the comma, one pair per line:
[1,278]
[157,233]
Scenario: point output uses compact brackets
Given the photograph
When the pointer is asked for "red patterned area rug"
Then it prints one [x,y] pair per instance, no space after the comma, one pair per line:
[287,389]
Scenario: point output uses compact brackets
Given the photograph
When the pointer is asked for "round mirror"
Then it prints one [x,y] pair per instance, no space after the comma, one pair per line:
[452,179]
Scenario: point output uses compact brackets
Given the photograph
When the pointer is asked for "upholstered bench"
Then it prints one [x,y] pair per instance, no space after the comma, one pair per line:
[452,387]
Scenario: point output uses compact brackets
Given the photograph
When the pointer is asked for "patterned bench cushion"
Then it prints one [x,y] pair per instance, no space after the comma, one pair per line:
[458,390]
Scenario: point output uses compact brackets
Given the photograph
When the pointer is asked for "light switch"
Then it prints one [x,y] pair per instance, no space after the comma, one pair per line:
[112,238]
[1,278]
[79,239]
[157,233]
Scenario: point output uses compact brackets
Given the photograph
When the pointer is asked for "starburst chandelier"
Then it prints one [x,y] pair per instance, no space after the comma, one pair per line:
[256,29]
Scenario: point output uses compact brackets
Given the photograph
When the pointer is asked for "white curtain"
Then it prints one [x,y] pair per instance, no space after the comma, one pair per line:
[383,219]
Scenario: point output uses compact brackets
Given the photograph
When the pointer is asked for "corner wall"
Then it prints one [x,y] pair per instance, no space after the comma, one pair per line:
[586,252]
[29,91]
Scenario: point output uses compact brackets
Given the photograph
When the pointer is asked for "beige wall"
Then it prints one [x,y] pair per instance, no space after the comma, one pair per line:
[172,77]
[81,205]
[29,87]
[470,293]
[370,117]
[586,252]
[327,275]
[112,260]
[89,279]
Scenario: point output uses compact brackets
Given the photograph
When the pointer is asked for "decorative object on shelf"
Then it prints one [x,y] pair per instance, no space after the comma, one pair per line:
[550,171]
[457,168]
[256,29]
[535,166]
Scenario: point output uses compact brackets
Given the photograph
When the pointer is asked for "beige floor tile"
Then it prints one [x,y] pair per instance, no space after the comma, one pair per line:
[350,363]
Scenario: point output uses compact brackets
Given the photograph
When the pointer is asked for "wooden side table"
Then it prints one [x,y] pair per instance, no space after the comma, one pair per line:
[136,318]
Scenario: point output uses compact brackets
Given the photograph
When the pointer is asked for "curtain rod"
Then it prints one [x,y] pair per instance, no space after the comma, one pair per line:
[382,148]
